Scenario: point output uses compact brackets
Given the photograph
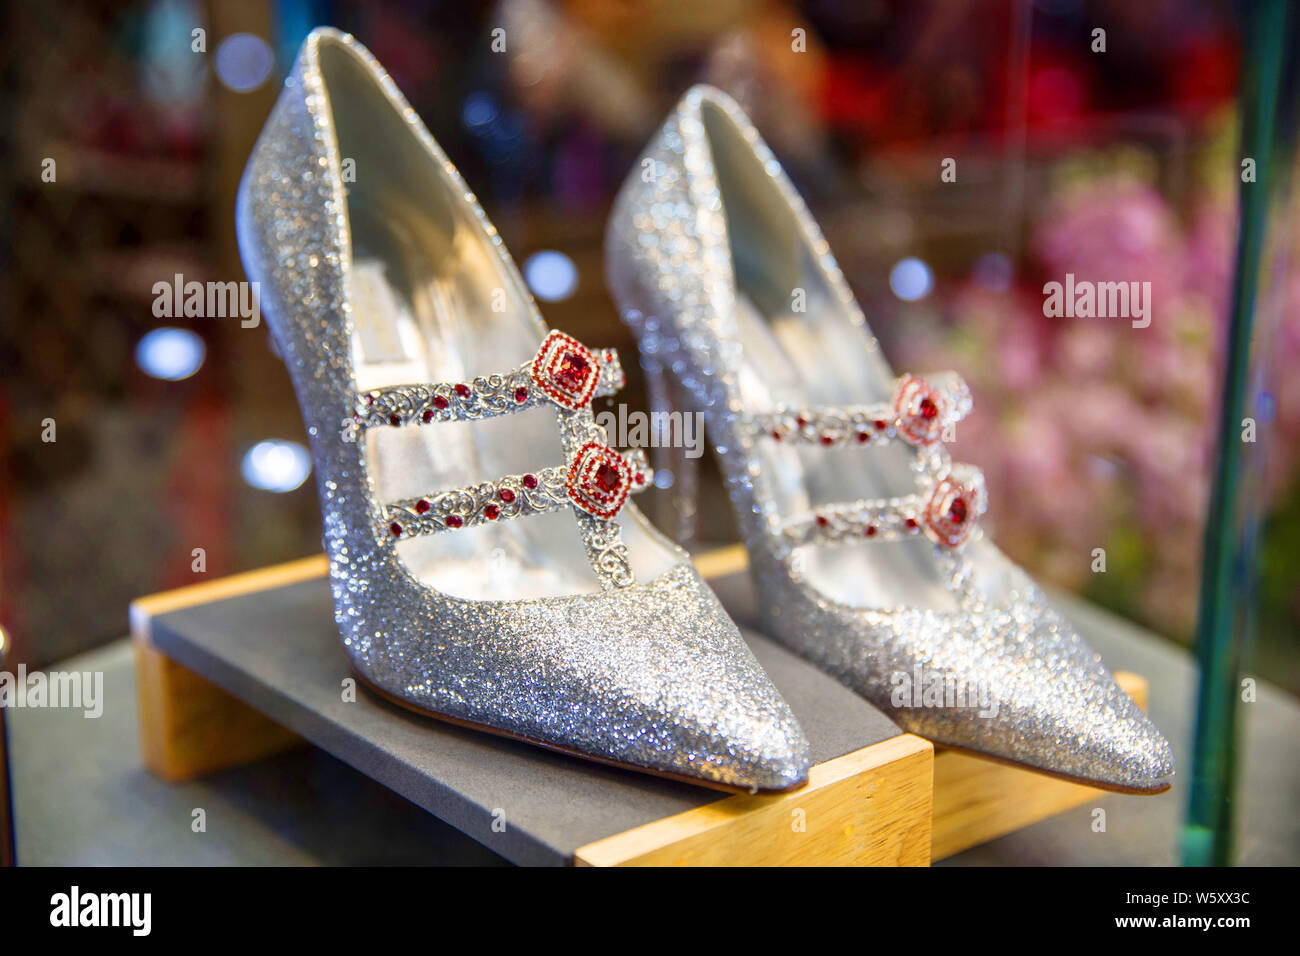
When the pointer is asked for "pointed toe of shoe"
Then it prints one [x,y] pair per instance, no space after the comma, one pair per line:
[780,765]
[765,750]
[1101,738]
[1035,695]
[715,714]
[1095,734]
[1073,719]
[768,753]
[1127,753]
[653,677]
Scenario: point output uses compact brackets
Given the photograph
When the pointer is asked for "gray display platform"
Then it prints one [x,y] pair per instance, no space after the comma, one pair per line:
[81,796]
[278,651]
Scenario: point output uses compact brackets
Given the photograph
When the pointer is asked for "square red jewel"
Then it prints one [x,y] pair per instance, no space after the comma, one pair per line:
[565,370]
[599,480]
[951,510]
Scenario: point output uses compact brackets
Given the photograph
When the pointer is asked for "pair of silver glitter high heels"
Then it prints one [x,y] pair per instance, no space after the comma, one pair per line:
[423,370]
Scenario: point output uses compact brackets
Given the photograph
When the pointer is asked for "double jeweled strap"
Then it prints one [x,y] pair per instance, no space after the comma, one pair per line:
[952,498]
[596,480]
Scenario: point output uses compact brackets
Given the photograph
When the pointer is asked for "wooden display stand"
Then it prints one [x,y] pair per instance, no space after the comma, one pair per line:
[894,801]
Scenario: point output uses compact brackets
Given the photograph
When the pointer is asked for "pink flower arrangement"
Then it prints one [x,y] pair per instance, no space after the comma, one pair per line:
[1093,433]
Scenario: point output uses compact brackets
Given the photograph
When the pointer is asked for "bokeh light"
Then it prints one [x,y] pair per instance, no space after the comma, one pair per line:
[275,465]
[243,62]
[479,109]
[170,354]
[911,279]
[551,275]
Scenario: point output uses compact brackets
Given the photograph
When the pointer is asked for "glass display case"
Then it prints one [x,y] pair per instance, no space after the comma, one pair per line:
[1086,208]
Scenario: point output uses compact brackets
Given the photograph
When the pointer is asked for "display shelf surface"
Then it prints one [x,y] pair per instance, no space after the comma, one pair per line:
[276,649]
[82,797]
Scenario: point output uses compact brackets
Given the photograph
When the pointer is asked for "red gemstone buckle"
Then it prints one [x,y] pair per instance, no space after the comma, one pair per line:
[951,510]
[920,410]
[565,370]
[599,480]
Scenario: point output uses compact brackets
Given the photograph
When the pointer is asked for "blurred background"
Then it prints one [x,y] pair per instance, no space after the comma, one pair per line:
[128,123]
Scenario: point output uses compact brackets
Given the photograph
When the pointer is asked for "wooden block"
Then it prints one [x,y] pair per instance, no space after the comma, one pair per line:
[871,806]
[977,800]
[189,726]
[899,802]
[145,608]
[867,808]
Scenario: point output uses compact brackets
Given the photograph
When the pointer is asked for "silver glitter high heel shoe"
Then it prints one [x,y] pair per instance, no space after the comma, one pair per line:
[862,535]
[431,391]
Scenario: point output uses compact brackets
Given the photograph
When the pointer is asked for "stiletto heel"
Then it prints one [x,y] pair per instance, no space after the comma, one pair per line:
[679,507]
[487,567]
[863,535]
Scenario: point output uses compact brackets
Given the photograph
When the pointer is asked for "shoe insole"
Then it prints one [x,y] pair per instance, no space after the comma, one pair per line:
[801,347]
[422,313]
[793,359]
[434,301]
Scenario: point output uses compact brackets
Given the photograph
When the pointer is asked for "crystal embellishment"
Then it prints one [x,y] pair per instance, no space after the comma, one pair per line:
[920,410]
[599,480]
[951,509]
[565,370]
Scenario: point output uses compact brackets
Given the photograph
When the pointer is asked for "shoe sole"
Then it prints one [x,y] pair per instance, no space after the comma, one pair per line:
[568,751]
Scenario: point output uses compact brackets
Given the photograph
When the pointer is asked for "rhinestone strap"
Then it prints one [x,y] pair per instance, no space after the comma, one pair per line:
[595,482]
[485,396]
[514,496]
[919,413]
[947,513]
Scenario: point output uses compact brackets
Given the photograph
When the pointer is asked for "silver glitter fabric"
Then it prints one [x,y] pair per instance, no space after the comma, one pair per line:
[648,673]
[1046,700]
